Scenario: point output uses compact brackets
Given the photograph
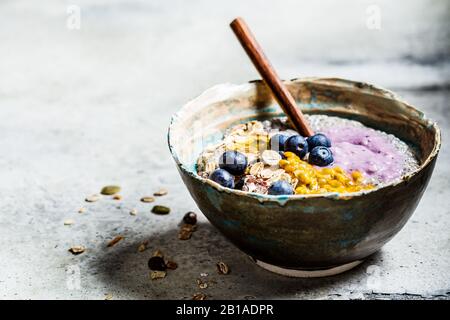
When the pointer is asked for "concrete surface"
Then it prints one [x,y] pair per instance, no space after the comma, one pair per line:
[83,108]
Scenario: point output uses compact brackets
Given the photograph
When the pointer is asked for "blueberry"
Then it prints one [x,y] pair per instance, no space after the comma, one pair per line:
[296,144]
[234,162]
[277,141]
[321,156]
[280,187]
[222,177]
[239,184]
[318,140]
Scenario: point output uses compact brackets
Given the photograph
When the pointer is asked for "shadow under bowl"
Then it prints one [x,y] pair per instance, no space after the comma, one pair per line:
[304,232]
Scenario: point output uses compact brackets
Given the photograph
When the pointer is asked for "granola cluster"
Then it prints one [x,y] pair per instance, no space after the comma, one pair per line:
[251,139]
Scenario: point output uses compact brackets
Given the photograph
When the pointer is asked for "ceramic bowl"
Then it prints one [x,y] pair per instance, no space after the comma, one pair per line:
[304,235]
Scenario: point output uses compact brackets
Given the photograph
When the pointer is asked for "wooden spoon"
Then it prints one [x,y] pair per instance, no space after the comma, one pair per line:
[267,72]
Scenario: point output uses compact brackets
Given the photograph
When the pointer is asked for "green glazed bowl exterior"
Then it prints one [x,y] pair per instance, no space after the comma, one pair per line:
[304,231]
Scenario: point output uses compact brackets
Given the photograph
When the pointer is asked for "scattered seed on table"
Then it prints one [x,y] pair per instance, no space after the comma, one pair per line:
[160,192]
[92,198]
[81,210]
[142,247]
[201,284]
[203,274]
[199,296]
[117,197]
[171,265]
[114,241]
[190,218]
[222,268]
[157,275]
[186,231]
[109,296]
[68,222]
[147,199]
[77,249]
[160,210]
[133,212]
[110,190]
[158,253]
[157,264]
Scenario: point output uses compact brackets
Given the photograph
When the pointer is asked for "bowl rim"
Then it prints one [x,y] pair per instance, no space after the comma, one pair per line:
[282,199]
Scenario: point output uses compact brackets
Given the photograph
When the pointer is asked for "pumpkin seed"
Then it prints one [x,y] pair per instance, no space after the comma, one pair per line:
[115,241]
[160,192]
[160,210]
[92,198]
[147,199]
[77,249]
[110,190]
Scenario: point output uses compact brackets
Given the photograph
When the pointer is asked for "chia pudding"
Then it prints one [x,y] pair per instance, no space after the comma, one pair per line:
[269,157]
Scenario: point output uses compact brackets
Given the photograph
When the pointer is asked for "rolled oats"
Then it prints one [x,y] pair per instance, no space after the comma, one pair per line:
[158,253]
[256,168]
[77,249]
[154,275]
[222,268]
[199,296]
[108,296]
[270,157]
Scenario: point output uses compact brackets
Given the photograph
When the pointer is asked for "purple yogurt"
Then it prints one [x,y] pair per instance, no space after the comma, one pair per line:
[366,150]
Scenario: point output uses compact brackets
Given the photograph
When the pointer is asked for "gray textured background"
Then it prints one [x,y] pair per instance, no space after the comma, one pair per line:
[83,108]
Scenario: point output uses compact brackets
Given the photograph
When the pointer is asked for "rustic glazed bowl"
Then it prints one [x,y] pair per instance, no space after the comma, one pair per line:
[304,235]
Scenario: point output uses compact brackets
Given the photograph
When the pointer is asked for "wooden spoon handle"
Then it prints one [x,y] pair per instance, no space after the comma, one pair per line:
[267,72]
